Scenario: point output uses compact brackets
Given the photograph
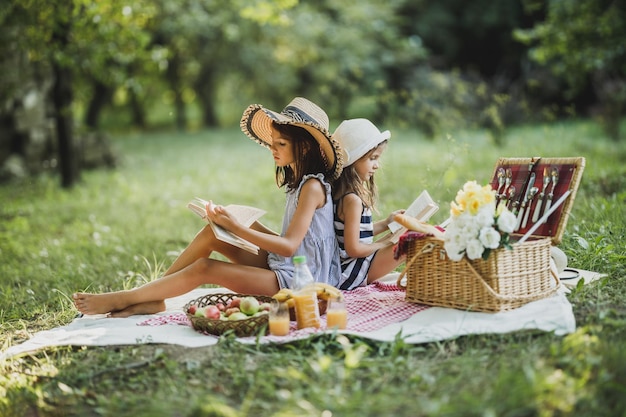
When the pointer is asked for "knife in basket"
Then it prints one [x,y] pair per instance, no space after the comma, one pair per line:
[531,166]
[520,215]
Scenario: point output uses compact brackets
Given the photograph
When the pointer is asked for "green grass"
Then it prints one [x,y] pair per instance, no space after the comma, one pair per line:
[122,227]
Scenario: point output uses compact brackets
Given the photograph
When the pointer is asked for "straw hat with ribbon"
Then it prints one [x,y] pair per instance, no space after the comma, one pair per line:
[256,123]
[357,137]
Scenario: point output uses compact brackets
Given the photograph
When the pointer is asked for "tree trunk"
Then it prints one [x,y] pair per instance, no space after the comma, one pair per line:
[62,101]
[173,78]
[137,110]
[100,98]
[205,88]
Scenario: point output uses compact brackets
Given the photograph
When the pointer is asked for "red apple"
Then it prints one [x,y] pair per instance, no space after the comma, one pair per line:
[221,306]
[192,309]
[212,312]
[234,302]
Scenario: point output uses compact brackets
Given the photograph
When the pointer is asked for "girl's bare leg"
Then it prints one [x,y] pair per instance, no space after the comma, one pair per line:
[201,247]
[238,278]
[383,263]
[205,243]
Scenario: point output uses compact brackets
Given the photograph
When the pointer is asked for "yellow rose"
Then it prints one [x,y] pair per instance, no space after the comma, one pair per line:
[455,210]
[474,205]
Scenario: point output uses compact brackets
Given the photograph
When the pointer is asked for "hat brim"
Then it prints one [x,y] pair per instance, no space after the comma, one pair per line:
[256,123]
[350,158]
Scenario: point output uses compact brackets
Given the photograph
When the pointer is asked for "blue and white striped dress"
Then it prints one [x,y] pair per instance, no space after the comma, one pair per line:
[354,270]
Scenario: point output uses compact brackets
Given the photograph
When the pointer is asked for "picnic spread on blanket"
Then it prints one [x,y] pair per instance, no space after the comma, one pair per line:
[511,285]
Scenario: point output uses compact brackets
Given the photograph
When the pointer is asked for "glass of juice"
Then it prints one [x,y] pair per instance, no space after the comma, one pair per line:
[279,319]
[336,313]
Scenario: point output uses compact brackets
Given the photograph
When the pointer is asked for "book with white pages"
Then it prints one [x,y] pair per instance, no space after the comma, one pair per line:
[245,215]
[422,208]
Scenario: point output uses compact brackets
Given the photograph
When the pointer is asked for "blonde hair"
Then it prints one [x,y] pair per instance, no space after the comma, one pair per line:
[349,182]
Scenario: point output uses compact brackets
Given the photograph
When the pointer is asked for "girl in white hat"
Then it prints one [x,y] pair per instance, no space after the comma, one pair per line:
[363,260]
[307,159]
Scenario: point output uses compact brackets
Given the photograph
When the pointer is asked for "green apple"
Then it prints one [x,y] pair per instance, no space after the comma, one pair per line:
[238,316]
[249,306]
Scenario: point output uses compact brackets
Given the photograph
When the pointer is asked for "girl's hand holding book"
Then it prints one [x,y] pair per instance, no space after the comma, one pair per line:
[219,215]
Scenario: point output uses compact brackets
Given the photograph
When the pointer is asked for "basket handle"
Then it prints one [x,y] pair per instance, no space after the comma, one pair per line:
[428,247]
[481,280]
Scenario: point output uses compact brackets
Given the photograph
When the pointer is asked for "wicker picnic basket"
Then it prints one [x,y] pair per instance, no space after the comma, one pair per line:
[241,328]
[508,279]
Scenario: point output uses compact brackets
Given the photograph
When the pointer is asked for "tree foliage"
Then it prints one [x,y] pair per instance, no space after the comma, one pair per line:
[433,64]
[70,39]
[582,40]
[578,38]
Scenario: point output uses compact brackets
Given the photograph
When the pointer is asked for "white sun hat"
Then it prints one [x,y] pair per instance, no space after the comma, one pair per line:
[357,137]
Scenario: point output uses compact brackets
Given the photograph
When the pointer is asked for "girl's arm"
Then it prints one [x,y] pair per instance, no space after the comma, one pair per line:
[312,196]
[352,208]
[382,225]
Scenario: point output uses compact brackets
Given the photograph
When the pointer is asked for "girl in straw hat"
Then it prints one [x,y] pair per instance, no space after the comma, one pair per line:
[362,259]
[307,159]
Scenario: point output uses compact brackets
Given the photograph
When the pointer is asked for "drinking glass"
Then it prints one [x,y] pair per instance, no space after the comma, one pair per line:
[336,313]
[279,319]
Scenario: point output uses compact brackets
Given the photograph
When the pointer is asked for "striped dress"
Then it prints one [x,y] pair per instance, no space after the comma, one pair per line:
[354,270]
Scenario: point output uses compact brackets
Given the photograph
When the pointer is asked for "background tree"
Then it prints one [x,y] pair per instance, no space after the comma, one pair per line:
[582,41]
[437,65]
[71,37]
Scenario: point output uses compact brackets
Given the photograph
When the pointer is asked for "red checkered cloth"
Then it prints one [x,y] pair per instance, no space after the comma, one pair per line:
[378,305]
[172,318]
[369,308]
[402,247]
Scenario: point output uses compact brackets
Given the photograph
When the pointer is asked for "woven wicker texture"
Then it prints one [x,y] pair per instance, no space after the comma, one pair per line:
[241,328]
[508,279]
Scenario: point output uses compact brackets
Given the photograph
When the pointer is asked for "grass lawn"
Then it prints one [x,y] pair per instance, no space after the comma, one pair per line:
[120,228]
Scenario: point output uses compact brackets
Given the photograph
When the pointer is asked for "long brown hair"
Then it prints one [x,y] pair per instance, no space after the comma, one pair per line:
[307,156]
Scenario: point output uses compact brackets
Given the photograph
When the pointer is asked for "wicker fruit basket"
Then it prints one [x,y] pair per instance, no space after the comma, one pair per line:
[508,279]
[241,328]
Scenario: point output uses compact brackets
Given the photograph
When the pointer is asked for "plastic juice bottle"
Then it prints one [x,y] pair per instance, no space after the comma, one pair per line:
[305,297]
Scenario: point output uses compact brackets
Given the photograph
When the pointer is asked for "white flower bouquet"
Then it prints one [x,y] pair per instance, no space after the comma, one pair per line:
[477,225]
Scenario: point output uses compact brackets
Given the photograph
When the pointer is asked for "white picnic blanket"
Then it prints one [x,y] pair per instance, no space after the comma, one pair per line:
[415,324]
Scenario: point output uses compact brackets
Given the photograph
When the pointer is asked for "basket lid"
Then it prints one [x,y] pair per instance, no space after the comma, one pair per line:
[553,179]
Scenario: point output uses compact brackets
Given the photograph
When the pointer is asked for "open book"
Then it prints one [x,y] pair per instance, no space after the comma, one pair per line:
[422,209]
[245,215]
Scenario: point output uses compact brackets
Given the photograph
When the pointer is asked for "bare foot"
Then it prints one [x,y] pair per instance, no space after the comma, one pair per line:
[98,303]
[149,307]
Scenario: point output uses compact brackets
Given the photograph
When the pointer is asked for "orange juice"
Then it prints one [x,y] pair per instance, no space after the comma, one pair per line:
[279,326]
[336,318]
[307,311]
